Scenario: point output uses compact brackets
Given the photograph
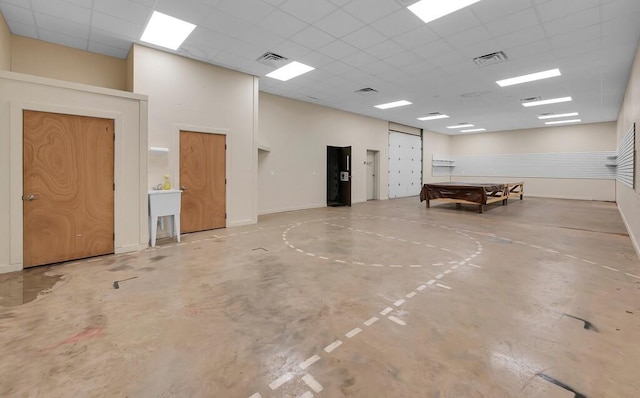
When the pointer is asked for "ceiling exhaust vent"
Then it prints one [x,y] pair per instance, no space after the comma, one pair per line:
[491,59]
[530,99]
[272,59]
[367,91]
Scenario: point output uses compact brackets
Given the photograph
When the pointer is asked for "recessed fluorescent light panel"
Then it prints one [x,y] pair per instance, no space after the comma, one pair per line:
[547,102]
[166,31]
[393,104]
[460,126]
[472,130]
[556,116]
[289,71]
[434,117]
[529,78]
[564,121]
[430,10]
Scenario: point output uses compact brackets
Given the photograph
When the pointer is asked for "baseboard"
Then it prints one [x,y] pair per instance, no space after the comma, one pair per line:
[292,208]
[240,223]
[634,241]
[6,268]
[129,248]
[564,197]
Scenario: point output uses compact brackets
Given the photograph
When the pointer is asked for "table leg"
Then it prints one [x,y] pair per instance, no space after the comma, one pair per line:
[154,230]
[176,223]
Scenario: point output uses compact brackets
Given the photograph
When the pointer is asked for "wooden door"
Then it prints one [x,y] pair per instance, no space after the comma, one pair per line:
[202,179]
[68,187]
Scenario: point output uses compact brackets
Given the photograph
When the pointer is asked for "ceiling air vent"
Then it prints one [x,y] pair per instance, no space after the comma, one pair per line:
[491,59]
[530,99]
[367,91]
[272,59]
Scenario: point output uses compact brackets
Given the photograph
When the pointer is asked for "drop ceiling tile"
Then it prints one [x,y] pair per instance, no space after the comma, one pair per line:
[340,3]
[402,59]
[364,38]
[576,21]
[275,3]
[64,40]
[62,9]
[588,37]
[524,36]
[81,3]
[619,8]
[192,11]
[109,39]
[282,24]
[359,59]
[557,9]
[371,10]
[339,24]
[453,23]
[17,14]
[469,37]
[66,28]
[529,50]
[313,37]
[434,49]
[315,59]
[338,49]
[108,50]
[490,10]
[419,68]
[20,29]
[513,23]
[291,50]
[18,3]
[125,10]
[444,60]
[337,67]
[416,37]
[378,68]
[259,37]
[385,49]
[251,11]
[308,11]
[397,23]
[479,49]
[112,24]
[621,30]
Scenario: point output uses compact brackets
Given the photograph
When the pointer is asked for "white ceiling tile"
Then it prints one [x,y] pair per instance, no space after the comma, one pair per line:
[621,30]
[17,14]
[281,24]
[340,3]
[308,11]
[62,9]
[81,3]
[416,37]
[67,28]
[291,50]
[379,68]
[108,50]
[434,49]
[589,36]
[275,3]
[315,59]
[445,60]
[402,59]
[479,49]
[112,24]
[371,10]
[579,20]
[19,29]
[619,8]
[524,36]
[339,24]
[513,23]
[338,49]
[313,37]
[529,50]
[337,67]
[358,60]
[454,23]
[557,9]
[385,49]
[491,10]
[192,11]
[18,3]
[469,37]
[65,40]
[125,10]
[251,11]
[397,23]
[109,39]
[364,38]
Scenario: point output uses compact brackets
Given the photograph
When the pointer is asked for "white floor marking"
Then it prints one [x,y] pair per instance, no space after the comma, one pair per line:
[415,266]
[380,235]
[352,333]
[333,346]
[443,286]
[416,243]
[473,256]
[391,237]
[312,383]
[377,265]
[422,287]
[397,320]
[632,275]
[399,302]
[371,321]
[431,282]
[311,254]
[453,262]
[553,251]
[536,246]
[455,267]
[310,361]
[437,264]
[474,266]
[440,276]
[589,262]
[570,256]
[401,240]
[306,394]
[395,266]
[612,269]
[447,272]
[431,246]
[519,242]
[467,259]
[445,249]
[357,263]
[299,251]
[181,244]
[256,395]
[410,295]
[323,258]
[280,381]
[340,261]
[386,311]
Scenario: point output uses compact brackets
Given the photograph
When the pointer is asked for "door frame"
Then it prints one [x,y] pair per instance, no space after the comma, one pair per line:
[376,171]
[174,161]
[16,173]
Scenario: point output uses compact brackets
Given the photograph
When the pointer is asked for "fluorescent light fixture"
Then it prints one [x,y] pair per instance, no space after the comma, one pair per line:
[430,10]
[472,130]
[460,126]
[434,117]
[289,71]
[547,102]
[555,116]
[564,121]
[393,104]
[529,78]
[166,31]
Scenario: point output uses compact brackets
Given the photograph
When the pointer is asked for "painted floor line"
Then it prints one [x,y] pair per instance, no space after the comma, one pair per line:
[311,254]
[323,258]
[340,261]
[397,320]
[410,295]
[371,321]
[415,266]
[455,267]
[395,266]
[443,286]
[312,383]
[570,256]
[399,302]
[256,395]
[280,381]
[431,282]
[440,276]
[422,287]
[310,361]
[632,275]
[386,311]
[352,333]
[474,265]
[447,272]
[589,262]
[453,262]
[333,346]
[377,265]
[299,251]
[437,264]
[611,269]
[306,394]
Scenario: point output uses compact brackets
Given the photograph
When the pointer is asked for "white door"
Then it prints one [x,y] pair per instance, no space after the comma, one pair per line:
[371,175]
[405,165]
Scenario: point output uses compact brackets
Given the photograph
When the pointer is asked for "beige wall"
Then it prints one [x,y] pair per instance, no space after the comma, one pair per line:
[5,45]
[293,174]
[195,96]
[629,199]
[433,143]
[39,58]
[578,138]
[129,111]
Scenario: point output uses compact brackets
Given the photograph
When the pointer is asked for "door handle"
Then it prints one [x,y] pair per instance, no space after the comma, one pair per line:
[31,197]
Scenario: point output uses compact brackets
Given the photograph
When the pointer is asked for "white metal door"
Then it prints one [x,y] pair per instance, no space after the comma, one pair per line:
[371,175]
[405,165]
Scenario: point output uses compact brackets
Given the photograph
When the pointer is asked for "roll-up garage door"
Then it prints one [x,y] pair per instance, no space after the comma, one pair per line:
[405,164]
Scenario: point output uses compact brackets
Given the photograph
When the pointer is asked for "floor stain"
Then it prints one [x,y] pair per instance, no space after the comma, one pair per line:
[23,287]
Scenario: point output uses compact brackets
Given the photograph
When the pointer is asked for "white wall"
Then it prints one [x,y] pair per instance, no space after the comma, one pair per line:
[192,95]
[293,174]
[578,138]
[629,199]
[19,92]
[437,143]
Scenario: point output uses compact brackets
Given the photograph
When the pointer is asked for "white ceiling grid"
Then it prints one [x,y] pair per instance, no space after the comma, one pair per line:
[380,44]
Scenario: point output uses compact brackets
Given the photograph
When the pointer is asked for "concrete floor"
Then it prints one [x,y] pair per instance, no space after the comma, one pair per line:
[384,299]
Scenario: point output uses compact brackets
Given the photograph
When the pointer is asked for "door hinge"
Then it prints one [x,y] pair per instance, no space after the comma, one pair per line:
[114,186]
[225,181]
[225,216]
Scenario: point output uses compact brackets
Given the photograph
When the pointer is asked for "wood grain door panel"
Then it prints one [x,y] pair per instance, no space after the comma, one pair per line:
[202,178]
[68,171]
